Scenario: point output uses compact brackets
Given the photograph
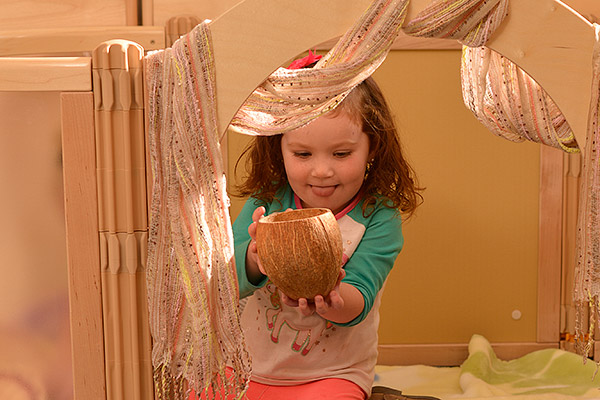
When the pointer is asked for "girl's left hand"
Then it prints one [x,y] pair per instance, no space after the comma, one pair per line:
[321,305]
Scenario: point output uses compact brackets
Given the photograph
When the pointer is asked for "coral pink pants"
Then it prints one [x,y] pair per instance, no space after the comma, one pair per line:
[325,389]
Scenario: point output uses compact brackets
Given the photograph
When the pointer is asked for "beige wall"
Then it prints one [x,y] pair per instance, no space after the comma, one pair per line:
[470,255]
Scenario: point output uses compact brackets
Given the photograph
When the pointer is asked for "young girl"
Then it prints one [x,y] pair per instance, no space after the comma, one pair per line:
[349,161]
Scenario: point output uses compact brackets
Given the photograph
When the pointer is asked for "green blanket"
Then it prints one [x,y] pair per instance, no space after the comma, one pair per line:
[543,371]
[550,374]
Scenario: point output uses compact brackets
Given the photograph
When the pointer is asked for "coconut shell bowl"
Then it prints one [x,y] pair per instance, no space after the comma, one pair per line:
[301,251]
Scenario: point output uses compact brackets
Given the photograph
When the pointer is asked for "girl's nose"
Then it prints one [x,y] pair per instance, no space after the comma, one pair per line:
[322,170]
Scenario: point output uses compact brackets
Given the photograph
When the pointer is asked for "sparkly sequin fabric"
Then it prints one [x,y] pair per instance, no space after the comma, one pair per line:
[509,102]
[191,278]
[469,21]
[587,270]
[292,98]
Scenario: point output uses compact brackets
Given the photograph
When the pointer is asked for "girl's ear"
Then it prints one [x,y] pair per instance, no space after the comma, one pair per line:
[373,147]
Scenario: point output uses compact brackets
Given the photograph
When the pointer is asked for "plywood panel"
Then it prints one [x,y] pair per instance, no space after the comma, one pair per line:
[470,256]
[18,14]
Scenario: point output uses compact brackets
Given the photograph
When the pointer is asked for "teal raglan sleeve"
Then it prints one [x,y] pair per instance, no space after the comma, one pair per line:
[241,240]
[373,259]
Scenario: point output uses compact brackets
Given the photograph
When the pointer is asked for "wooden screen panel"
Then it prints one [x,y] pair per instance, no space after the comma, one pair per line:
[18,14]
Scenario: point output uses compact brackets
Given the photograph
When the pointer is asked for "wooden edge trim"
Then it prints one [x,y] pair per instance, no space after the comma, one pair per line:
[44,74]
[451,354]
[83,252]
[550,244]
[76,40]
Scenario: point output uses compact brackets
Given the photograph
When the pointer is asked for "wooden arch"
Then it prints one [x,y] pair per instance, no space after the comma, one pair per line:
[558,59]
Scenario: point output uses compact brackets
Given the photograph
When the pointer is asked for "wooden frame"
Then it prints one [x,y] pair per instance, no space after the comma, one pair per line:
[83,252]
[93,248]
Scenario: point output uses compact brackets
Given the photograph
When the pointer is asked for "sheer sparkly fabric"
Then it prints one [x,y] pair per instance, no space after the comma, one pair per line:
[509,102]
[471,22]
[587,270]
[192,285]
[291,98]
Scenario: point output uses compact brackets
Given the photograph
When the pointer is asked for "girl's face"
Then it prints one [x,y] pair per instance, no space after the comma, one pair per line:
[325,161]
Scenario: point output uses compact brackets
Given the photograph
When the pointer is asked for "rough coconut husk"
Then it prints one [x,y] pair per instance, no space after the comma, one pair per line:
[301,251]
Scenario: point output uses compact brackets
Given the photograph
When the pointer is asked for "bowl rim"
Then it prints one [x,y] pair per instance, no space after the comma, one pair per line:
[269,219]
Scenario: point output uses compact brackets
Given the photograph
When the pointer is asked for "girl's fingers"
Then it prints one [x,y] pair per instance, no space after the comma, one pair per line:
[288,301]
[337,303]
[305,308]
[252,230]
[258,213]
[321,305]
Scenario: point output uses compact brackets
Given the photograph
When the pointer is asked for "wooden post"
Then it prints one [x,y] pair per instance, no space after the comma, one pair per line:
[177,26]
[550,245]
[123,223]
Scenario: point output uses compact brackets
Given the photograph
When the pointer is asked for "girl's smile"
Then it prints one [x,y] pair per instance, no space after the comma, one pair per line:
[325,161]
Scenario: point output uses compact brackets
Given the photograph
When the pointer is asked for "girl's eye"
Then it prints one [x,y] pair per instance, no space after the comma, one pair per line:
[302,154]
[341,154]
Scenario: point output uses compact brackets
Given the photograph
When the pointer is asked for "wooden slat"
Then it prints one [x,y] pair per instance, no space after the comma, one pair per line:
[550,244]
[83,253]
[572,174]
[46,74]
[73,40]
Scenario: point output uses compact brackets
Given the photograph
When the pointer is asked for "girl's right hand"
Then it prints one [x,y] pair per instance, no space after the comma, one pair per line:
[254,269]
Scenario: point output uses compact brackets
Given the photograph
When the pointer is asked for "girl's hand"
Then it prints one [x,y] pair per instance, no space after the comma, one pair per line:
[254,269]
[321,305]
